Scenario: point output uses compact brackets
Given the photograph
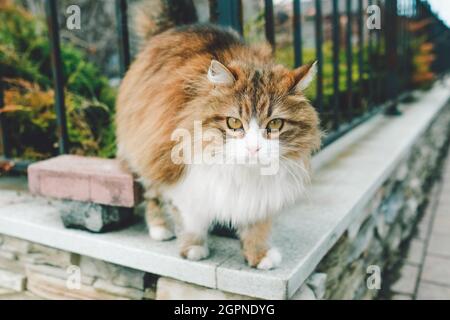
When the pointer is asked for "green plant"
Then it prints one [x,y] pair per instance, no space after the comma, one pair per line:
[29,111]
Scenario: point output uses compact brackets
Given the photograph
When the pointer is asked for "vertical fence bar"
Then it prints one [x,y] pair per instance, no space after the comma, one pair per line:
[123,36]
[213,11]
[240,16]
[230,14]
[378,80]
[269,22]
[58,78]
[410,40]
[349,59]
[336,49]
[391,83]
[405,45]
[370,65]
[400,45]
[6,150]
[319,54]
[360,47]
[297,21]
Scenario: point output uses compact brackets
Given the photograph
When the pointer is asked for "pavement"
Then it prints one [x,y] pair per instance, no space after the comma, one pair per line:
[425,274]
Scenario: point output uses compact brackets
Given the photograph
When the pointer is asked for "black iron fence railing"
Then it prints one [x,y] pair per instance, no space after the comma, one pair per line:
[371,68]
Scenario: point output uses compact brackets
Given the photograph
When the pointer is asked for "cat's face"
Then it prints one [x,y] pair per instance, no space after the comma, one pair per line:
[259,115]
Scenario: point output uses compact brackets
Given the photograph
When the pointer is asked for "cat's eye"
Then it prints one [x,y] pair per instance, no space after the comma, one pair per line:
[234,124]
[275,124]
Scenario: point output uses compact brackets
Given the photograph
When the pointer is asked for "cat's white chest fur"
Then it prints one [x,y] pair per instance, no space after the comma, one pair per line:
[235,194]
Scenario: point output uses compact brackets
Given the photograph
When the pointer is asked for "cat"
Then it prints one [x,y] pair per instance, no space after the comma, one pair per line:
[206,76]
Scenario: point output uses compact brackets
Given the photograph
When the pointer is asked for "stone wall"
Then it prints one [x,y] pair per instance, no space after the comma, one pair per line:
[53,274]
[376,238]
[388,221]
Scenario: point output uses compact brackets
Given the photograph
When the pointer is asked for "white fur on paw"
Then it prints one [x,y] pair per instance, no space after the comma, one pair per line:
[196,253]
[271,260]
[160,233]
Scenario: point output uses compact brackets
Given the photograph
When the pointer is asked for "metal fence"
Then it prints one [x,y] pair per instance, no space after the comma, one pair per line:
[383,57]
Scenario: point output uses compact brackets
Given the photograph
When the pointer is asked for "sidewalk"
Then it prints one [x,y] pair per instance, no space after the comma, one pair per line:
[426,271]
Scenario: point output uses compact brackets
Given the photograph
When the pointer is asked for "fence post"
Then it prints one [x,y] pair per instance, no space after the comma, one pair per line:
[297,26]
[336,70]
[213,11]
[349,60]
[319,53]
[58,78]
[123,37]
[230,14]
[391,29]
[269,24]
[5,148]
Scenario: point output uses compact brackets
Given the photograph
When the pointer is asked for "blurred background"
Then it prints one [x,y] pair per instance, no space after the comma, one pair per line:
[360,68]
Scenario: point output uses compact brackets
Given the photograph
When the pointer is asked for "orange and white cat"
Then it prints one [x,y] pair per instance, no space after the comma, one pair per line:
[203,75]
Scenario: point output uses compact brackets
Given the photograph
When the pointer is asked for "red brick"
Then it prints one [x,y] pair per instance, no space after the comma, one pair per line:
[85,179]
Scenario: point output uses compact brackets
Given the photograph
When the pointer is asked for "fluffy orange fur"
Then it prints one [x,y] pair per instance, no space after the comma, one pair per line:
[167,88]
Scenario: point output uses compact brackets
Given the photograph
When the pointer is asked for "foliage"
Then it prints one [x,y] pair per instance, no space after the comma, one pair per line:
[29,109]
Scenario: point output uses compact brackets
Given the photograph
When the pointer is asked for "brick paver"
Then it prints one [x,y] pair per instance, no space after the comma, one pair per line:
[87,179]
[429,250]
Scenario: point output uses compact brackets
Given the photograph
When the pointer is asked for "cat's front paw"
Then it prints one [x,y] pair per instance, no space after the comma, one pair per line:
[161,233]
[195,252]
[270,260]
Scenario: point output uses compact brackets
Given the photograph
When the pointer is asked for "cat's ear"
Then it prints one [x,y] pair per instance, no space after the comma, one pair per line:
[304,75]
[219,74]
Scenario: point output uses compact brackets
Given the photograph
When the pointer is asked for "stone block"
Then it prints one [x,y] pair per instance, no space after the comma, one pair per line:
[304,293]
[4,291]
[171,289]
[8,255]
[439,245]
[401,297]
[20,296]
[416,252]
[12,280]
[394,237]
[53,257]
[109,288]
[436,270]
[430,291]
[55,272]
[87,179]
[12,265]
[95,217]
[56,289]
[15,245]
[117,275]
[362,241]
[317,282]
[441,225]
[406,284]
[126,277]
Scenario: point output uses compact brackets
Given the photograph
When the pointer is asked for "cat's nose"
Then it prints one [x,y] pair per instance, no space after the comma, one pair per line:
[253,150]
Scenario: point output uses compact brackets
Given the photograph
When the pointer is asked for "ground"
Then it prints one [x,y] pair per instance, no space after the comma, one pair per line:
[425,273]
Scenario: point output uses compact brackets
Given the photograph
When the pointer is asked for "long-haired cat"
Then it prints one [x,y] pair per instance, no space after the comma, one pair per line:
[205,77]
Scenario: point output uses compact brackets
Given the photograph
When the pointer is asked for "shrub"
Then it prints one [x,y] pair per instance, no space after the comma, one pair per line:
[29,104]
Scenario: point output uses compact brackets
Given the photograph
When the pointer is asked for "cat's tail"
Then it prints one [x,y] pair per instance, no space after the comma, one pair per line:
[156,16]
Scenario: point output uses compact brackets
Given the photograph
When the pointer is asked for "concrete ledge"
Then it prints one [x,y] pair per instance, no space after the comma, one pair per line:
[348,174]
[85,179]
